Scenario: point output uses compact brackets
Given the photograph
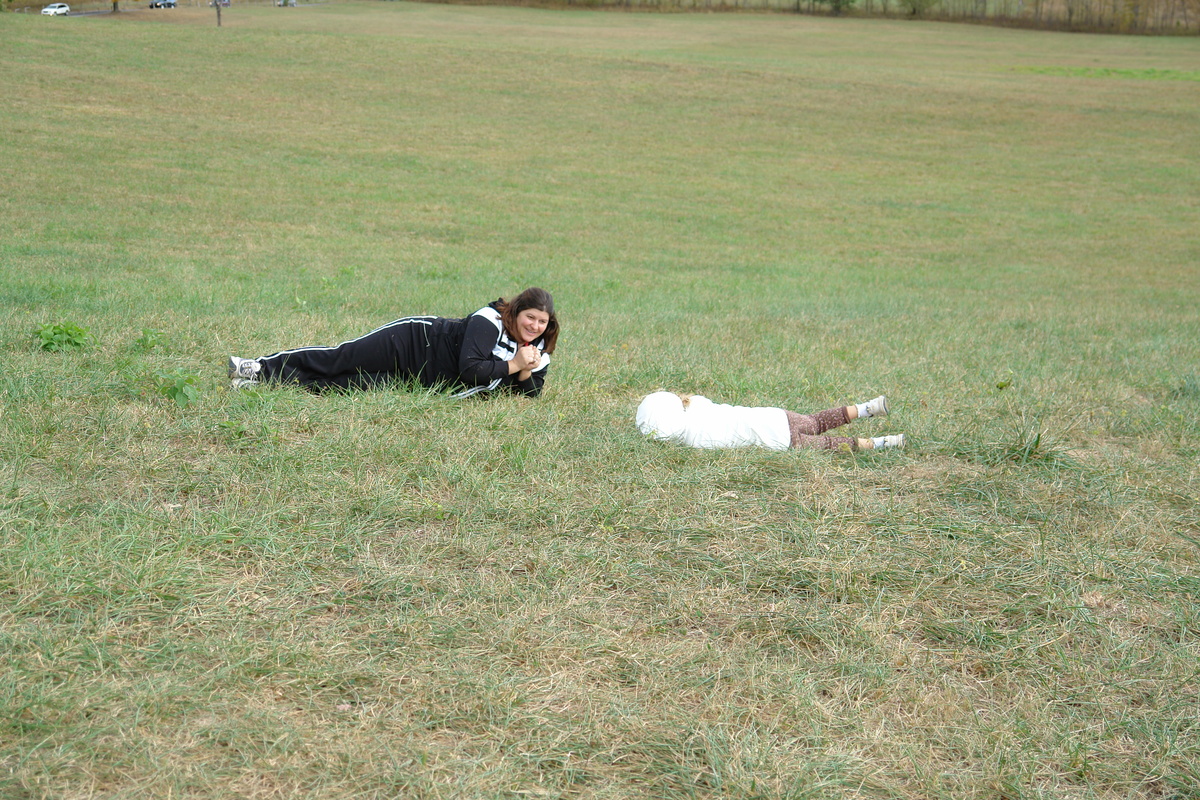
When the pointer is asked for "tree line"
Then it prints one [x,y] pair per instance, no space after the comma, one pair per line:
[1108,16]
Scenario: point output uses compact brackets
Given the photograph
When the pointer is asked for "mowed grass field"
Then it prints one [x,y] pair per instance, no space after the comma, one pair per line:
[208,594]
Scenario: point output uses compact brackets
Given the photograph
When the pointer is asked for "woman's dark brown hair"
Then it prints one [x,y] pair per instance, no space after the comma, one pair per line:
[532,297]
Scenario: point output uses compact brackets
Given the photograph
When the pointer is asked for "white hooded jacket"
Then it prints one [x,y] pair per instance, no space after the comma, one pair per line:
[703,423]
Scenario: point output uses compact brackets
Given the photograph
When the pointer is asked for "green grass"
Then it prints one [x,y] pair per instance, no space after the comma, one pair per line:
[217,595]
[1134,74]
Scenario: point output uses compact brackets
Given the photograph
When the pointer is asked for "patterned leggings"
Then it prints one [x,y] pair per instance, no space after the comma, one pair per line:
[805,428]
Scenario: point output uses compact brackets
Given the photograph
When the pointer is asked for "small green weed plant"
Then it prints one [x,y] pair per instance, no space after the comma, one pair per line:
[178,386]
[149,339]
[59,336]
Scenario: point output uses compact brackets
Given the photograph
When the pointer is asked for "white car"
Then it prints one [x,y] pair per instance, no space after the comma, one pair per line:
[57,10]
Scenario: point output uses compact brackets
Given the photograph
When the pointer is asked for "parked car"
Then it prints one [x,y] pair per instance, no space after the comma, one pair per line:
[56,10]
[162,3]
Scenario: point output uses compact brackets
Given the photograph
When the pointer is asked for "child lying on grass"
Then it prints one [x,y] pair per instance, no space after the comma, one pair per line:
[699,422]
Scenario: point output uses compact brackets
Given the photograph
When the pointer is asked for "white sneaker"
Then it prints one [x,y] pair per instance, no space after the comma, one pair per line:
[244,368]
[875,408]
[894,440]
[238,384]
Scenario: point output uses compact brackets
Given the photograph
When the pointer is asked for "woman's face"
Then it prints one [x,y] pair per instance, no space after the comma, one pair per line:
[530,324]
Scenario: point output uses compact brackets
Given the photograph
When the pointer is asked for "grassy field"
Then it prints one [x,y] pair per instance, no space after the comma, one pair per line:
[206,594]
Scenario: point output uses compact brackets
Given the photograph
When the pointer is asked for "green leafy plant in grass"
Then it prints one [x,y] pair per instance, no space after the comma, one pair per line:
[178,386]
[149,339]
[59,336]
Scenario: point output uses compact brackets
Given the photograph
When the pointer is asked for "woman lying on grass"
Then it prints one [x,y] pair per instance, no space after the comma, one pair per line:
[504,345]
[699,422]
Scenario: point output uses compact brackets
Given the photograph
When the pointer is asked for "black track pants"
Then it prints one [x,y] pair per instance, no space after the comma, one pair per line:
[400,350]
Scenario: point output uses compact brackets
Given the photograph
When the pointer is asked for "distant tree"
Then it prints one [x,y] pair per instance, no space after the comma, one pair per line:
[839,7]
[917,8]
[1191,12]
